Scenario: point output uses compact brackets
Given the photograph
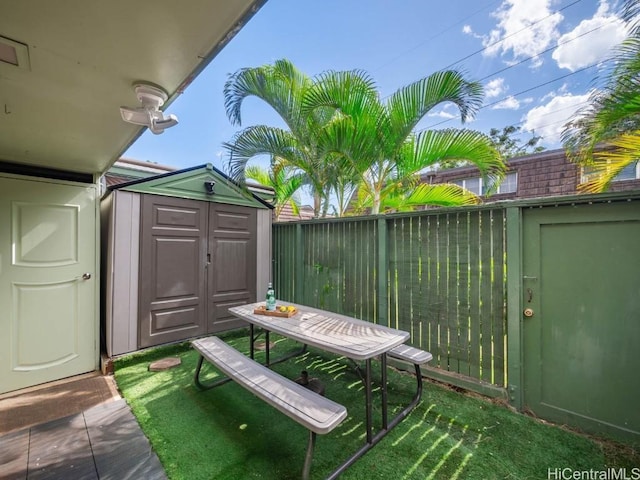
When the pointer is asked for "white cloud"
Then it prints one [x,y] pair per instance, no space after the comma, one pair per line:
[606,30]
[495,88]
[517,31]
[442,114]
[445,112]
[468,30]
[548,120]
[509,103]
[554,93]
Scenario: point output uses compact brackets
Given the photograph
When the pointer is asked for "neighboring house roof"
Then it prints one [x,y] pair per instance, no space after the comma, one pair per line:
[305,212]
[544,174]
[127,169]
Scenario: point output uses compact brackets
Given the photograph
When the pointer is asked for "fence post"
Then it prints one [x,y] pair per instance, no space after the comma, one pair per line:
[383,272]
[299,266]
[514,306]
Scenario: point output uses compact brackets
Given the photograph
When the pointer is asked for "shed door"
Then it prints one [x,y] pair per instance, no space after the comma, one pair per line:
[232,267]
[172,269]
[581,268]
[47,308]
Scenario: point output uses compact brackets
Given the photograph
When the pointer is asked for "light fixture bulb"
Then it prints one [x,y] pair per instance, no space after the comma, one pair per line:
[149,114]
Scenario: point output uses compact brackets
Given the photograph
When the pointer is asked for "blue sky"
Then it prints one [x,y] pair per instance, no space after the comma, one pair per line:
[397,42]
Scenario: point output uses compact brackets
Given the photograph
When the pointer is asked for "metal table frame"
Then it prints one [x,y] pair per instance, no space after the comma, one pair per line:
[373,341]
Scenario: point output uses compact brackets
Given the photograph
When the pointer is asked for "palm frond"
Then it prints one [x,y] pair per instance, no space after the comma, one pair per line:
[607,164]
[355,140]
[432,146]
[258,174]
[280,85]
[259,140]
[613,109]
[284,184]
[351,92]
[631,14]
[442,195]
[410,103]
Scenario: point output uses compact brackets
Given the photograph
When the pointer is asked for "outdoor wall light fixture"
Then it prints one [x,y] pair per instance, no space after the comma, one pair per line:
[149,114]
[208,186]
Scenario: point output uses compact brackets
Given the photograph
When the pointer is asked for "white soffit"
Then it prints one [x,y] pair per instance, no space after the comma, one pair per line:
[77,62]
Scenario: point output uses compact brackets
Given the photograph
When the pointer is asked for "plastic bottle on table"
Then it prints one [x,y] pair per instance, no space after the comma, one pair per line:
[271,298]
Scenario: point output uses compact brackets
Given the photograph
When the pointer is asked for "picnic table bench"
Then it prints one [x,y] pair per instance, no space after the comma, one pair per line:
[318,414]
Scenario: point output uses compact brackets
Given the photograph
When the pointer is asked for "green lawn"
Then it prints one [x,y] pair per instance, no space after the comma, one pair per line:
[226,433]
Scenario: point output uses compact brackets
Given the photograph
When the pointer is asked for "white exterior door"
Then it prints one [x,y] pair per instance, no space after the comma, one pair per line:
[48,282]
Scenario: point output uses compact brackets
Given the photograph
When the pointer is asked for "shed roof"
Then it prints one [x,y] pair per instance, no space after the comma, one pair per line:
[192,183]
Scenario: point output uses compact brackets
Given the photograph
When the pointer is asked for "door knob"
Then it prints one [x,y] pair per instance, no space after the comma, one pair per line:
[86,276]
[528,312]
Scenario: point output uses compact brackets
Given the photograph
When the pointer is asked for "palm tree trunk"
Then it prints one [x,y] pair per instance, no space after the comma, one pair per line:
[375,207]
[316,205]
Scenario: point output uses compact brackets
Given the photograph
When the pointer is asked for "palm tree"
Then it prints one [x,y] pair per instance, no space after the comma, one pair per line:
[344,138]
[284,184]
[302,146]
[613,114]
[378,140]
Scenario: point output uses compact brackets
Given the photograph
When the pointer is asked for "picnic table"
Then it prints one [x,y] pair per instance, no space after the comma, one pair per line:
[342,335]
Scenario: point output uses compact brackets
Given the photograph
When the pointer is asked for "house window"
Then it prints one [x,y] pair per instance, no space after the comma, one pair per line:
[630,172]
[509,184]
[471,184]
[479,186]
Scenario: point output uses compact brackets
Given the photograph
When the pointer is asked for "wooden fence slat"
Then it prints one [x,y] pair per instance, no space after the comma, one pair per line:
[499,304]
[361,243]
[486,226]
[451,320]
[424,299]
[443,291]
[436,295]
[463,313]
[475,261]
[415,282]
[404,276]
[369,309]
[393,263]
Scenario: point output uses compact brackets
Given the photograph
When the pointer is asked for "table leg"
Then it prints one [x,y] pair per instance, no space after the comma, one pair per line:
[372,439]
[207,385]
[268,362]
[251,340]
[368,401]
[266,347]
[383,374]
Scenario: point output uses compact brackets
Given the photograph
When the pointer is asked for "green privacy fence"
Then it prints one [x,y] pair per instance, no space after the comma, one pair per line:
[439,274]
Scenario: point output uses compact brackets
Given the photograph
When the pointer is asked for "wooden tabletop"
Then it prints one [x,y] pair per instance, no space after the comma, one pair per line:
[328,331]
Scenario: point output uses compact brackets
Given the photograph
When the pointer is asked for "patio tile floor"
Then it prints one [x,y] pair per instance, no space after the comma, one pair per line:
[101,442]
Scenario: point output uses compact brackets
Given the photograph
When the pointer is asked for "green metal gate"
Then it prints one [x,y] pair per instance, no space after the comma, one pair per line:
[581,286]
